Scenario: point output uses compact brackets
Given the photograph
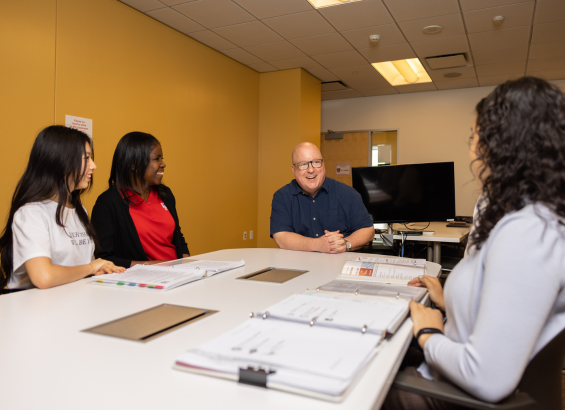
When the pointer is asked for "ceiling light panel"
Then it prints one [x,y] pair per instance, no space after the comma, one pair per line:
[403,72]
[327,3]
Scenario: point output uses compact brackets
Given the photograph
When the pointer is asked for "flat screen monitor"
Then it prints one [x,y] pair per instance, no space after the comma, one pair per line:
[407,193]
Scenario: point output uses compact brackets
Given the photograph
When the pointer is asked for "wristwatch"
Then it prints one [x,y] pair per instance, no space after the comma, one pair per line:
[347,245]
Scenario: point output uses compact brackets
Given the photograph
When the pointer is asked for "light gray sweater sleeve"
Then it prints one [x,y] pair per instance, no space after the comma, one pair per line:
[521,283]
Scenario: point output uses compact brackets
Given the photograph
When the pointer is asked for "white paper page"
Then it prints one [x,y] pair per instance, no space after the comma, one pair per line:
[374,289]
[376,314]
[151,275]
[393,261]
[285,377]
[318,350]
[395,273]
[211,266]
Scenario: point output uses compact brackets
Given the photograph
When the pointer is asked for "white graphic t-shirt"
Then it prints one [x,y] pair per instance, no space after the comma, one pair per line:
[35,234]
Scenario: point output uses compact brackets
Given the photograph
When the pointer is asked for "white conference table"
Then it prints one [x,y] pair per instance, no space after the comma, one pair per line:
[47,362]
[441,234]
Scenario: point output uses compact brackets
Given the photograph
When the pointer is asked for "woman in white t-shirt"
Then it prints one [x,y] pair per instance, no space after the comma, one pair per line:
[48,239]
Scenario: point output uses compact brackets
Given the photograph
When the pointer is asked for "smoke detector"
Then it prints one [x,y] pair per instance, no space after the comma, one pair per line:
[433,29]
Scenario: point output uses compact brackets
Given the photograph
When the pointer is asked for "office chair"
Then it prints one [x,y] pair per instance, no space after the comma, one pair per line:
[539,388]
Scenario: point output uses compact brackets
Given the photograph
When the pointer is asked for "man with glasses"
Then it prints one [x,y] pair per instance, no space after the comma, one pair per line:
[315,213]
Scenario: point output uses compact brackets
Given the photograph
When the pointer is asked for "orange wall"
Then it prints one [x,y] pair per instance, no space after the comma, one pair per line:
[353,148]
[27,89]
[129,72]
[289,114]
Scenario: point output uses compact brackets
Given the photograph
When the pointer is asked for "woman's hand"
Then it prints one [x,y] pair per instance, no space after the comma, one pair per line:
[425,317]
[434,287]
[102,267]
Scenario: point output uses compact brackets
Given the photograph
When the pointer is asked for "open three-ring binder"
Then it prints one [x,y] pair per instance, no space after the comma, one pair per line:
[305,344]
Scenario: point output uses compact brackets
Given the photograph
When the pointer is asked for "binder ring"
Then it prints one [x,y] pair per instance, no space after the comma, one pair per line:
[398,296]
[356,292]
[364,329]
[251,314]
[265,315]
[313,321]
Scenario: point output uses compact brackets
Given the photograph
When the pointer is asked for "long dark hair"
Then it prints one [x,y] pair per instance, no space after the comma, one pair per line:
[131,159]
[521,151]
[54,162]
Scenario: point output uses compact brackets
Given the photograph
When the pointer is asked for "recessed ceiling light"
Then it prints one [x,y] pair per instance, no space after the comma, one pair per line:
[403,72]
[433,29]
[326,3]
[452,75]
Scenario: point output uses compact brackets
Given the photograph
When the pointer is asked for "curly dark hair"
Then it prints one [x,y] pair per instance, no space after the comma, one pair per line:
[520,151]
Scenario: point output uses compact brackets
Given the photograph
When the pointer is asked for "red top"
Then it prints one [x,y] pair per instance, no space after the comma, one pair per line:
[155,227]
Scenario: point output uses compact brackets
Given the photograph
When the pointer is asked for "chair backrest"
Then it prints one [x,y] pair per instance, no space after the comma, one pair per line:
[542,377]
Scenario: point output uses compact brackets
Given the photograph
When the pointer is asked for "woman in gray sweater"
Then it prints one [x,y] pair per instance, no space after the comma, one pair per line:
[506,299]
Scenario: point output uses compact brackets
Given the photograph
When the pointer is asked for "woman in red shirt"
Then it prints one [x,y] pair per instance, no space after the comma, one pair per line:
[136,219]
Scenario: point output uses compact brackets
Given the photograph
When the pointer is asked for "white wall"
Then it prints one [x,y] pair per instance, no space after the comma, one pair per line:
[432,127]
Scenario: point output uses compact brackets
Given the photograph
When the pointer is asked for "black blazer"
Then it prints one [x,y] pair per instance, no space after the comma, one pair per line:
[119,241]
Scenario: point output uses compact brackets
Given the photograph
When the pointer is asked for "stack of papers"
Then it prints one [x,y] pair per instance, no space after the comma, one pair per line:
[150,277]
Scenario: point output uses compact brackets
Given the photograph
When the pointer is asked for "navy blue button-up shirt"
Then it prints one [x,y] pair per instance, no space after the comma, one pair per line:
[336,206]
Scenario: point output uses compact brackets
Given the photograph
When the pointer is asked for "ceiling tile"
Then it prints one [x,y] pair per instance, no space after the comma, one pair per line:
[358,14]
[214,13]
[549,10]
[452,25]
[500,55]
[263,9]
[497,79]
[403,10]
[305,24]
[441,46]
[467,5]
[281,50]
[388,53]
[547,32]
[242,56]
[248,34]
[340,59]
[416,88]
[515,15]
[456,83]
[326,43]
[262,67]
[547,50]
[213,40]
[511,67]
[511,37]
[175,20]
[362,75]
[324,75]
[466,72]
[390,34]
[549,75]
[144,5]
[175,2]
[339,95]
[374,91]
[305,62]
[546,64]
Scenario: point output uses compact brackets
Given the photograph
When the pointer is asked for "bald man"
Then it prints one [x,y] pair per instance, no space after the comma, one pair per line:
[315,213]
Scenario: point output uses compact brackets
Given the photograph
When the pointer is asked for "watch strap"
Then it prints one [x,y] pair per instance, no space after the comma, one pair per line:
[347,245]
[428,331]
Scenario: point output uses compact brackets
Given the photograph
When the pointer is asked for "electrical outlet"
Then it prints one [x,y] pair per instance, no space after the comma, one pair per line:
[244,235]
[250,235]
